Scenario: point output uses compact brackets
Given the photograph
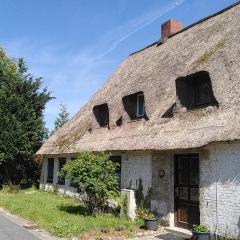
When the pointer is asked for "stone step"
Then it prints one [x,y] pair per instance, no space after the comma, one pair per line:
[180,232]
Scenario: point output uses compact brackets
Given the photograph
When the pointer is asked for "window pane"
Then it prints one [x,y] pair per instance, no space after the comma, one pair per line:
[140,105]
[183,164]
[194,194]
[50,170]
[202,93]
[61,162]
[182,178]
[183,193]
[194,179]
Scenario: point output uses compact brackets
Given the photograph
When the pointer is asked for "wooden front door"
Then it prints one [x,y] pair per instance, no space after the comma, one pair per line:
[186,190]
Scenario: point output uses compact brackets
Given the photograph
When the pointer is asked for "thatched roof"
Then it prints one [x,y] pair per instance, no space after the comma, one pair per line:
[212,45]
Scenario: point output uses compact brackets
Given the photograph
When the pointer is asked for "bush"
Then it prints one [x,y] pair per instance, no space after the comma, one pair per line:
[94,177]
[200,228]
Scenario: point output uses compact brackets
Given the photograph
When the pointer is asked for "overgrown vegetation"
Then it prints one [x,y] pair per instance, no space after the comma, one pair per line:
[22,131]
[200,228]
[207,55]
[61,216]
[94,177]
[143,202]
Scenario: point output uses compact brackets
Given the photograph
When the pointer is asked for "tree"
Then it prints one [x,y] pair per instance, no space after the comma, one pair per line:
[62,117]
[94,176]
[22,102]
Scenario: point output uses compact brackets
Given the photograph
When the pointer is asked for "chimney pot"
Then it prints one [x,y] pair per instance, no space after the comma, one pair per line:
[170,27]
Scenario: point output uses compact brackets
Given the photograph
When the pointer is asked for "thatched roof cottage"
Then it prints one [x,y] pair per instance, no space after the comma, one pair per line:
[171,115]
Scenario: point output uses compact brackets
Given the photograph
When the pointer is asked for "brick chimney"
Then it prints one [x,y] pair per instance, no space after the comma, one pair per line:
[170,27]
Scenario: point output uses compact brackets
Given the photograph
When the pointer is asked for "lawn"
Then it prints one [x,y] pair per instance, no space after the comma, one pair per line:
[61,216]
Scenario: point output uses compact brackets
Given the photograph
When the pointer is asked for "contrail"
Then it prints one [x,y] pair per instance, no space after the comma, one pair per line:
[137,24]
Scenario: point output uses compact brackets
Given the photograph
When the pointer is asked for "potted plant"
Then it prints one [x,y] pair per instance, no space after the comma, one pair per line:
[150,221]
[200,232]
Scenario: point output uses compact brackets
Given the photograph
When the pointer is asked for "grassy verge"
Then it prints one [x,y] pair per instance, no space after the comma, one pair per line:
[61,216]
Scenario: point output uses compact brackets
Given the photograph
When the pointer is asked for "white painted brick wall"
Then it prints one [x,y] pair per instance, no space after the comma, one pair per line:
[220,188]
[136,165]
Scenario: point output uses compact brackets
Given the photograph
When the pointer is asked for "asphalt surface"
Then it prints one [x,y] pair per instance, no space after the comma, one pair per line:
[11,231]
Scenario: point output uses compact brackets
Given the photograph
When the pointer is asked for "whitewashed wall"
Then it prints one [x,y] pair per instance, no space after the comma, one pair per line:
[220,188]
[219,183]
[136,165]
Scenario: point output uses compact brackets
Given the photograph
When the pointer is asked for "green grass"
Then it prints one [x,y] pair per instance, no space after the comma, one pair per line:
[61,216]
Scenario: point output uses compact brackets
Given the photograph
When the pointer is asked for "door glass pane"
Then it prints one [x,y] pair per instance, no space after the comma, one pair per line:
[194,179]
[182,178]
[194,192]
[194,165]
[183,193]
[183,164]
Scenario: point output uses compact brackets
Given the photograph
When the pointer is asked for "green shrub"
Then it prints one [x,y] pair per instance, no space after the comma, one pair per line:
[200,228]
[94,177]
[143,213]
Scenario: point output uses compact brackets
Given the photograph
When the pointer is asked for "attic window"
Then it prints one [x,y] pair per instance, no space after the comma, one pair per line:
[101,114]
[195,90]
[134,105]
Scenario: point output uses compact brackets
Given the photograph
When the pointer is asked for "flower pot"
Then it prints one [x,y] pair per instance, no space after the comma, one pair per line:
[151,224]
[200,235]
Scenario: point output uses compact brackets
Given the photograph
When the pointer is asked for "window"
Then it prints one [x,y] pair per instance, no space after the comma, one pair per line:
[70,184]
[61,162]
[50,168]
[195,90]
[117,159]
[101,114]
[140,105]
[134,105]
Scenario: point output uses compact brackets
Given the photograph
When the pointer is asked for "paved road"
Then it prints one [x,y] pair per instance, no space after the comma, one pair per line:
[11,231]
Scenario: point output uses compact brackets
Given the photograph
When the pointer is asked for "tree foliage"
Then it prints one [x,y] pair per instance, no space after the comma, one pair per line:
[22,102]
[62,118]
[94,177]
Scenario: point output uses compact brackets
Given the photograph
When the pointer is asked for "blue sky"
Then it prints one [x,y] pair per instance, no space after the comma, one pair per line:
[75,45]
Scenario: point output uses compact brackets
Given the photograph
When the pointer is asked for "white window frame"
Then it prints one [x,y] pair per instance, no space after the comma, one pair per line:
[140,115]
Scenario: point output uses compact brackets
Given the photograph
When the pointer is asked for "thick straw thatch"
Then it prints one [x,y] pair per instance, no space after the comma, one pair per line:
[213,46]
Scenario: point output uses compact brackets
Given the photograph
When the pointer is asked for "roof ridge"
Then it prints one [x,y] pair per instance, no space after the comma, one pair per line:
[160,42]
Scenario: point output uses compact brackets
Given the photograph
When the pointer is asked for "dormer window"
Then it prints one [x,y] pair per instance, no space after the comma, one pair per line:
[134,105]
[195,90]
[101,114]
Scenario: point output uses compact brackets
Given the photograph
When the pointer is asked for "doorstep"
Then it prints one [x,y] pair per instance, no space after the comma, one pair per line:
[180,232]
